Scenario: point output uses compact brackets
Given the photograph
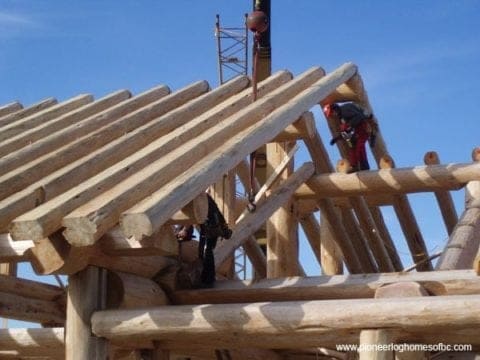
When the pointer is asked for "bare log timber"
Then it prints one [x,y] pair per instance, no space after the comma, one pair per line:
[82,227]
[156,211]
[287,324]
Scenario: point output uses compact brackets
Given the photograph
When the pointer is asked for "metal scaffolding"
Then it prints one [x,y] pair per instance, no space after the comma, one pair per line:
[232,49]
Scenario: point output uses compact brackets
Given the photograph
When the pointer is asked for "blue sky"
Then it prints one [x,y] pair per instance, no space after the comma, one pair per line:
[418,59]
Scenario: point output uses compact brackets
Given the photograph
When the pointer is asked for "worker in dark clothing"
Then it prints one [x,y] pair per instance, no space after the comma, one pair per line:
[213,228]
[356,127]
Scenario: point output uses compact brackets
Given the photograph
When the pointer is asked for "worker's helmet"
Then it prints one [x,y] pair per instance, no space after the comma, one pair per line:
[330,109]
[257,21]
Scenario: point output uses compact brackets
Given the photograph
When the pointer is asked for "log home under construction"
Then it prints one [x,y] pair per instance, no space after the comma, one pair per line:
[91,189]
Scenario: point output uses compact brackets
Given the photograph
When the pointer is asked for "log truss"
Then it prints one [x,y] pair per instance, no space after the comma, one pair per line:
[91,189]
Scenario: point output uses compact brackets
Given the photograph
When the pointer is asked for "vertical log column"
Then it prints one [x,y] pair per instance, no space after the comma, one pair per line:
[7,269]
[373,339]
[282,227]
[85,295]
[223,192]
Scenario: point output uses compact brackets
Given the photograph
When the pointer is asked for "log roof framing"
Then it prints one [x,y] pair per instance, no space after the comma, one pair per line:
[99,183]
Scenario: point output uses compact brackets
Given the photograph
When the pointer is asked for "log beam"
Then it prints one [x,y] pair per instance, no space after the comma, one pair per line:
[163,242]
[56,256]
[31,310]
[128,291]
[30,289]
[356,286]
[392,181]
[13,251]
[287,324]
[34,342]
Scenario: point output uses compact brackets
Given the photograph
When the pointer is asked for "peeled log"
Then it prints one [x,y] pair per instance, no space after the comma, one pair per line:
[163,242]
[286,324]
[144,125]
[31,310]
[454,282]
[392,181]
[54,255]
[10,108]
[13,251]
[131,291]
[137,221]
[444,198]
[10,130]
[45,129]
[251,222]
[29,288]
[463,244]
[34,342]
[179,192]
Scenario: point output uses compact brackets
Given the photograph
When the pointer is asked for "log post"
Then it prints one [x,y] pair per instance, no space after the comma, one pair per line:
[370,341]
[223,193]
[399,290]
[85,291]
[282,226]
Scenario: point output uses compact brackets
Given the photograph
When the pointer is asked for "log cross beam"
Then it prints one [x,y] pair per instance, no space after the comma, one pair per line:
[392,181]
[294,323]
